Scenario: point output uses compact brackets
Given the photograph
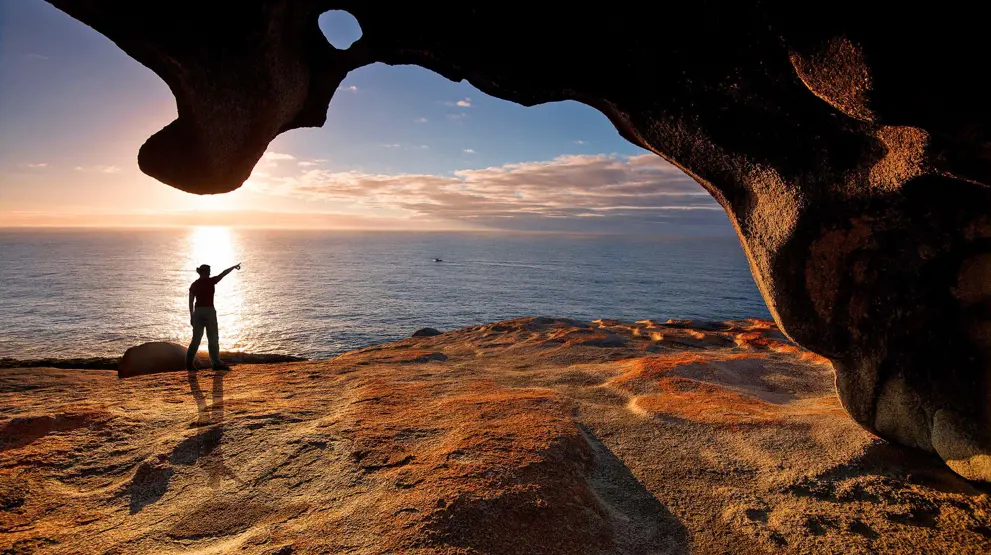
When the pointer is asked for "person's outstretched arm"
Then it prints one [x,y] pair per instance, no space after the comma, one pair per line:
[221,275]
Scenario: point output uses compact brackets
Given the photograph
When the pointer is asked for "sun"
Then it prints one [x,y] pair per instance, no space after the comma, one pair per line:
[220,248]
[211,245]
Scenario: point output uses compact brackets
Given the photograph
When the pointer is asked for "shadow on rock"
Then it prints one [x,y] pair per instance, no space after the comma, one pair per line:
[23,431]
[912,487]
[878,473]
[205,448]
[150,482]
[642,523]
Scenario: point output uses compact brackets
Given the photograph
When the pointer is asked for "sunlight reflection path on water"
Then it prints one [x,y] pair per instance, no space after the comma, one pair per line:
[67,293]
[219,247]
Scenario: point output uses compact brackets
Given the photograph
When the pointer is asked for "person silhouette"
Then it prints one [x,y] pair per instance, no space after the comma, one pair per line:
[202,314]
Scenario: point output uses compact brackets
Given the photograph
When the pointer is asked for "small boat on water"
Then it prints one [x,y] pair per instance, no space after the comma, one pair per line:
[438,260]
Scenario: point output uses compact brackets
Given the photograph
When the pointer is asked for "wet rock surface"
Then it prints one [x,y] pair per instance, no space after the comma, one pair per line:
[532,435]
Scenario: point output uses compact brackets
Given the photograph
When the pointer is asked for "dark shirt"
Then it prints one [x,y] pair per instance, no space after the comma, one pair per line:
[203,289]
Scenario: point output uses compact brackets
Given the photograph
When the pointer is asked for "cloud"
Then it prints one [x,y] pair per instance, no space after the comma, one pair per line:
[420,120]
[463,103]
[580,192]
[272,159]
[469,151]
[35,56]
[349,88]
[392,145]
[98,168]
[580,142]
[240,218]
[277,156]
[458,116]
[35,165]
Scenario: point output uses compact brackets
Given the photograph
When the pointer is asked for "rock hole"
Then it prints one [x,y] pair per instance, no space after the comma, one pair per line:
[341,28]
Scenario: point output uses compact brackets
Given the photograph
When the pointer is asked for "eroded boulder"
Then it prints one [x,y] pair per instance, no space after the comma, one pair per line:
[852,156]
[152,358]
[426,332]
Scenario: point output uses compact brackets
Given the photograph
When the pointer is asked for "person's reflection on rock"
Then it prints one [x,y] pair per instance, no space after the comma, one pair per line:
[210,453]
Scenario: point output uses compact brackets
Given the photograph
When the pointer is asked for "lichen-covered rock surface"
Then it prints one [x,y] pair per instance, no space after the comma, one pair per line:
[527,436]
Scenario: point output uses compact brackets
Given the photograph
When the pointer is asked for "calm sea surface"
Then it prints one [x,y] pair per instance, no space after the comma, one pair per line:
[68,293]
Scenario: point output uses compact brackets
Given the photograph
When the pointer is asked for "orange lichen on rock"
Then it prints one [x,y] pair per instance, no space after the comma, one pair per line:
[501,470]
[760,339]
[587,337]
[488,439]
[704,402]
[808,356]
[403,356]
[639,372]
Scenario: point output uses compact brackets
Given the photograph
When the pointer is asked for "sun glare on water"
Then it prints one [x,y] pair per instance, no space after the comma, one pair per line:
[218,247]
[211,245]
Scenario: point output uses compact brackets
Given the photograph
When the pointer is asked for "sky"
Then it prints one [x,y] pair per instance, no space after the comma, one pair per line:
[403,148]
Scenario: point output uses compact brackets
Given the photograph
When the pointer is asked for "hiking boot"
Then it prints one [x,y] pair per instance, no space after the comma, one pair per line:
[222,368]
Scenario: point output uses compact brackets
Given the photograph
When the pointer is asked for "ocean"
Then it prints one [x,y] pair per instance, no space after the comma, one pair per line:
[96,292]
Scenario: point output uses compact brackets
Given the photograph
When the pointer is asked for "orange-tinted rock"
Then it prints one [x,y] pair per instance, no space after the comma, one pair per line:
[510,443]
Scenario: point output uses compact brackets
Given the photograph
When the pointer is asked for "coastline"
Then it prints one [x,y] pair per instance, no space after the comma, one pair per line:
[111,363]
[573,436]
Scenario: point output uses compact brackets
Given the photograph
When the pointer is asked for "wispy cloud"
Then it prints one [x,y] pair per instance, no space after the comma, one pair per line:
[580,142]
[641,189]
[310,163]
[469,151]
[35,165]
[277,156]
[35,56]
[272,160]
[348,88]
[420,120]
[391,145]
[457,117]
[463,103]
[98,168]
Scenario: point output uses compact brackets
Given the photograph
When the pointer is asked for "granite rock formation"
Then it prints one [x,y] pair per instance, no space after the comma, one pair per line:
[535,435]
[848,143]
[155,357]
[152,358]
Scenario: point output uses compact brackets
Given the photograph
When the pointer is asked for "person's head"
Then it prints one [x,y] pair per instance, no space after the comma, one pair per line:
[204,270]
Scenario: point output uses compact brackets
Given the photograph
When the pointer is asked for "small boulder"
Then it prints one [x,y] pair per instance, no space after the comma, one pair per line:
[152,358]
[425,332]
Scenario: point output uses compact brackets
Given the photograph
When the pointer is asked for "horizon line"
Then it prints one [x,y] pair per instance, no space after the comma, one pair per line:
[359,229]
